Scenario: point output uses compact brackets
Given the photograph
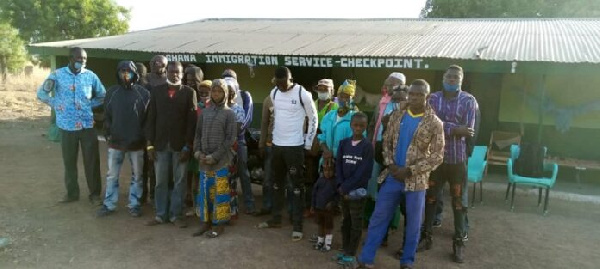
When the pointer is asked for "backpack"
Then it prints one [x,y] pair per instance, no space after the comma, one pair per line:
[530,162]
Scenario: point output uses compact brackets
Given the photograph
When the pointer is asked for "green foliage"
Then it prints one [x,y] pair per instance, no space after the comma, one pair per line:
[511,9]
[53,20]
[12,48]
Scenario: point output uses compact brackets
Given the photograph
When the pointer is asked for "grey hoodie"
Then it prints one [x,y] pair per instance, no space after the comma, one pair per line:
[216,131]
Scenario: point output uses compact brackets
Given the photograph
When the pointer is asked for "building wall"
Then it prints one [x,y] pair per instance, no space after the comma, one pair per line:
[500,104]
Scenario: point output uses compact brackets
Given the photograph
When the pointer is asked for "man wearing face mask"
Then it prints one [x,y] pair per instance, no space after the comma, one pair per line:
[124,117]
[324,102]
[73,91]
[457,110]
[171,125]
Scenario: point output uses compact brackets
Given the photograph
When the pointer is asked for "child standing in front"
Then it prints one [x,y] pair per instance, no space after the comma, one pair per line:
[353,167]
[324,200]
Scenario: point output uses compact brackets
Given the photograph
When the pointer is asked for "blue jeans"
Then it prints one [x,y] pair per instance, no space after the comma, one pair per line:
[115,162]
[267,184]
[389,198]
[161,193]
[242,170]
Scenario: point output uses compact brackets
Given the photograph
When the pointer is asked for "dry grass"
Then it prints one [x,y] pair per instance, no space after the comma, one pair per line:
[18,96]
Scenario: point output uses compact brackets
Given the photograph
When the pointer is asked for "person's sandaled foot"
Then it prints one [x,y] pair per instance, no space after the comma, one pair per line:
[215,232]
[203,229]
[296,236]
[154,222]
[269,224]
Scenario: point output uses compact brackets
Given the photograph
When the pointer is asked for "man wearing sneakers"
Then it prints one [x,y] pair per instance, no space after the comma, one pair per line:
[124,116]
[457,109]
[291,105]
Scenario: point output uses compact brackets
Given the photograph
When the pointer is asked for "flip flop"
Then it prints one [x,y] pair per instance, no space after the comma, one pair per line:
[214,233]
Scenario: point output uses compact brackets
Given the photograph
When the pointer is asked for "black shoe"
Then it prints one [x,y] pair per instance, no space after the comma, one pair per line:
[458,248]
[262,212]
[425,243]
[103,212]
[437,223]
[67,199]
[95,200]
[406,266]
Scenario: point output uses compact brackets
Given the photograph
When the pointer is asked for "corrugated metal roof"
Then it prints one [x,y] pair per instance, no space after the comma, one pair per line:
[545,40]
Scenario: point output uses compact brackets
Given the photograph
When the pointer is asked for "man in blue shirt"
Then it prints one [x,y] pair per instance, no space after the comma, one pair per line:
[72,91]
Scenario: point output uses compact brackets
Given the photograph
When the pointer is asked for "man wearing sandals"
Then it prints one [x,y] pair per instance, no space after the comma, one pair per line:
[413,146]
[215,135]
[291,105]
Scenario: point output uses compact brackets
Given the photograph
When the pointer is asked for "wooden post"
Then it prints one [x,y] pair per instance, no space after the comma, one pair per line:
[542,91]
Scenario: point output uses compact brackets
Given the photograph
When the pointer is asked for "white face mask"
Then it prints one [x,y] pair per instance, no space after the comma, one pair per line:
[323,96]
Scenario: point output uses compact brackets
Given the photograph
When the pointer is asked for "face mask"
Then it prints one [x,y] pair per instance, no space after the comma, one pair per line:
[78,65]
[203,99]
[450,88]
[127,76]
[323,96]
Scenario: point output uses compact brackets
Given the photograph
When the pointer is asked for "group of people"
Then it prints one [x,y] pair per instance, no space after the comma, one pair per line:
[185,138]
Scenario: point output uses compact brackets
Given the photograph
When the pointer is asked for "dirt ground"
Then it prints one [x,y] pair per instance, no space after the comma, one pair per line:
[43,234]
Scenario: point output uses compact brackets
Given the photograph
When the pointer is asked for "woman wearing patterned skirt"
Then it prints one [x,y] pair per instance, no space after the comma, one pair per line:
[215,135]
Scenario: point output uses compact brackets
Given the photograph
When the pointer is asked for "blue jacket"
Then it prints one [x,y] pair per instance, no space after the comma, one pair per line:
[332,131]
[73,97]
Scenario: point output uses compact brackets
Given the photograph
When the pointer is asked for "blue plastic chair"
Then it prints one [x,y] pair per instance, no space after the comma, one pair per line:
[476,168]
[541,182]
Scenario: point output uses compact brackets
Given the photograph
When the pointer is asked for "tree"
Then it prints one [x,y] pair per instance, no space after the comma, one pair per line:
[511,9]
[12,49]
[53,20]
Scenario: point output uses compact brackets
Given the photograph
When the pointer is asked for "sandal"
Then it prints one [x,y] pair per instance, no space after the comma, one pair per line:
[214,233]
[203,229]
[268,224]
[296,236]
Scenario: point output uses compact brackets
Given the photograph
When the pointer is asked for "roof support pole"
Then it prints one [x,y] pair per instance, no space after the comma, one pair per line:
[542,93]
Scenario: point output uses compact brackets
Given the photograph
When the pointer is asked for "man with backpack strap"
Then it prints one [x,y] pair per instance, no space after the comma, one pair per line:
[291,105]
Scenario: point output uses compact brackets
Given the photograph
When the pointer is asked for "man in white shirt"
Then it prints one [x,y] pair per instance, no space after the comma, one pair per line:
[292,106]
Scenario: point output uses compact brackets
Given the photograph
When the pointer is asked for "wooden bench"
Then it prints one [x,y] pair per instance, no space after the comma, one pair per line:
[579,165]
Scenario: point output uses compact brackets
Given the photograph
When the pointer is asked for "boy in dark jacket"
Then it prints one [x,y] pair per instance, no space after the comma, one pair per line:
[354,164]
[125,113]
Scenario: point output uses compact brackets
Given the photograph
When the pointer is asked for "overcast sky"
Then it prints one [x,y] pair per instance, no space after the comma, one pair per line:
[150,14]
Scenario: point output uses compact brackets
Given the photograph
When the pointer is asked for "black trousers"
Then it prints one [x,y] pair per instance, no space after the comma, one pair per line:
[288,160]
[70,143]
[456,176]
[352,225]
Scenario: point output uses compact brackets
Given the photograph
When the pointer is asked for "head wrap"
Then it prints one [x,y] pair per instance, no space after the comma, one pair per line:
[206,83]
[348,87]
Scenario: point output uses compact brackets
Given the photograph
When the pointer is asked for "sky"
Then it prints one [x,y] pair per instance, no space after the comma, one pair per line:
[150,14]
